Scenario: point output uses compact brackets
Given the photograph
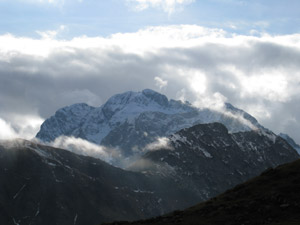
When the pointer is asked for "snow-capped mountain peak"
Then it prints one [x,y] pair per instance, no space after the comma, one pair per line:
[125,118]
[147,100]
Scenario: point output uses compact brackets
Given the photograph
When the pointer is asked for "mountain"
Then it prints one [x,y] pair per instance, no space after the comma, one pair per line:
[131,120]
[290,141]
[208,160]
[41,185]
[271,198]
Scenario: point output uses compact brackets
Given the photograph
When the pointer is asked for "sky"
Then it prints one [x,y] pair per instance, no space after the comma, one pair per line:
[55,53]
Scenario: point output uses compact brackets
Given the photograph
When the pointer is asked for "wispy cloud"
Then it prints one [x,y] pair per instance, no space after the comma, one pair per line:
[83,147]
[168,6]
[160,82]
[19,126]
[6,131]
[160,143]
[54,3]
[51,34]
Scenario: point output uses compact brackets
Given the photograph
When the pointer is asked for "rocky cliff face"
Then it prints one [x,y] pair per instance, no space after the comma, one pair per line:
[133,119]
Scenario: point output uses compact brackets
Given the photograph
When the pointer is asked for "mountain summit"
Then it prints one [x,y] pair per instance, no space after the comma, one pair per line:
[132,120]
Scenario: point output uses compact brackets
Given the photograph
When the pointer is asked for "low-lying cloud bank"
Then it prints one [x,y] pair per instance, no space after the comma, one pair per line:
[112,156]
[86,148]
[259,73]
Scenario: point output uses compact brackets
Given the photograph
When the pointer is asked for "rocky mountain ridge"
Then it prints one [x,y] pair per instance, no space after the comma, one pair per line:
[131,120]
[42,185]
[208,159]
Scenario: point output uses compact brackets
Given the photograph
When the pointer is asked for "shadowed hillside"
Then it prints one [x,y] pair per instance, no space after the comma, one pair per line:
[271,198]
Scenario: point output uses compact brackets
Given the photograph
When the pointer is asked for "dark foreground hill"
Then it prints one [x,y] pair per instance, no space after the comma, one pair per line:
[272,198]
[41,185]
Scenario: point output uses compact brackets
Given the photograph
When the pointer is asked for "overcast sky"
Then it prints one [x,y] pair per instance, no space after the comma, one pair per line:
[55,53]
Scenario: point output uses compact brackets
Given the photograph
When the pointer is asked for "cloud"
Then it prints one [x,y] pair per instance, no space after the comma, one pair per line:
[51,34]
[81,96]
[160,143]
[20,126]
[83,147]
[59,3]
[112,156]
[52,2]
[160,82]
[259,74]
[6,131]
[168,6]
[151,39]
